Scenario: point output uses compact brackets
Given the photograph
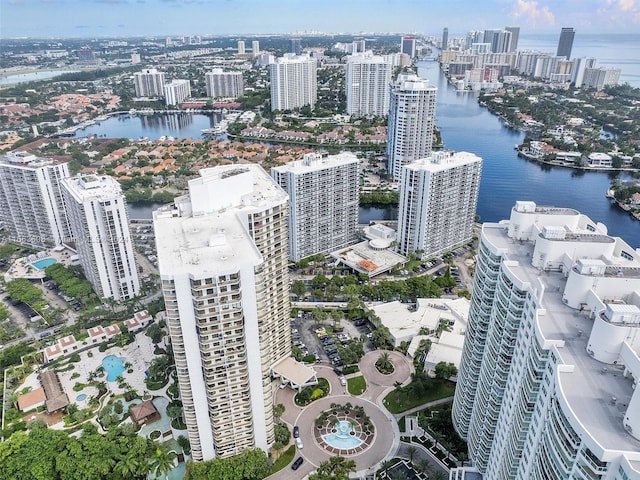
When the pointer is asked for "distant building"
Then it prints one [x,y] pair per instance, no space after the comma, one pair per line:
[412,111]
[177,92]
[408,46]
[99,222]
[438,199]
[515,36]
[240,47]
[255,48]
[445,38]
[294,82]
[224,84]
[135,58]
[31,204]
[598,78]
[580,65]
[323,202]
[565,44]
[149,83]
[87,56]
[367,84]
[295,46]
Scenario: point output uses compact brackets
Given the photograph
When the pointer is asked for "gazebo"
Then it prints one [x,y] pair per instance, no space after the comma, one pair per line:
[144,412]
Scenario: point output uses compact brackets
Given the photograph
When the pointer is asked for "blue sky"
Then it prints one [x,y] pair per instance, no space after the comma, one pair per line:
[97,18]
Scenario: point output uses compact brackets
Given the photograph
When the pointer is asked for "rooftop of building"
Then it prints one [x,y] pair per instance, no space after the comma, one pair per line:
[444,160]
[92,187]
[26,160]
[371,257]
[590,387]
[313,162]
[214,238]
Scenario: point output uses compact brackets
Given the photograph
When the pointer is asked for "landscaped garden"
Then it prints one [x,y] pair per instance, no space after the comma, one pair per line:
[356,385]
[312,392]
[422,389]
[384,364]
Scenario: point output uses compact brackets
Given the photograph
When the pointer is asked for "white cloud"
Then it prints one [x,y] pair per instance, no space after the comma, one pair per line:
[536,15]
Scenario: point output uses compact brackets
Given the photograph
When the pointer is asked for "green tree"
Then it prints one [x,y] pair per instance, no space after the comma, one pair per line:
[282,433]
[336,468]
[445,370]
[163,461]
[155,333]
[298,288]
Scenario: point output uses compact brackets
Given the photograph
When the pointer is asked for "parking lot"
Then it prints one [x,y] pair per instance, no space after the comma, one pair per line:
[312,337]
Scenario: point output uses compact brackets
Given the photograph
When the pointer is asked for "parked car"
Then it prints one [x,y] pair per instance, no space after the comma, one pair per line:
[343,381]
[299,443]
[295,465]
[296,431]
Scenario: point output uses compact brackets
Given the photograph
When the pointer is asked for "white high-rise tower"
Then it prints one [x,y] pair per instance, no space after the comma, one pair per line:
[551,358]
[323,202]
[222,252]
[294,82]
[31,205]
[97,213]
[367,84]
[412,111]
[149,83]
[438,199]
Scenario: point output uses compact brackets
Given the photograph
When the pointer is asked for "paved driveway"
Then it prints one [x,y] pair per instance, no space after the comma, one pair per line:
[387,436]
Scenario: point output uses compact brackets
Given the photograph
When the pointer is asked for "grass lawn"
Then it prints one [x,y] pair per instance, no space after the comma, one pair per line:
[283,460]
[356,385]
[403,400]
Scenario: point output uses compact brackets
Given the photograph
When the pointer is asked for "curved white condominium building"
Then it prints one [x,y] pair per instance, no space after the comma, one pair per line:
[547,383]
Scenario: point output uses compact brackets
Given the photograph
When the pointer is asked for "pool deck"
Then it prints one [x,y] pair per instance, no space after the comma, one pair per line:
[23,268]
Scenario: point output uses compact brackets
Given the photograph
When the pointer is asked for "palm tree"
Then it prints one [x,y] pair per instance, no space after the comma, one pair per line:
[425,465]
[411,452]
[384,363]
[163,461]
[386,465]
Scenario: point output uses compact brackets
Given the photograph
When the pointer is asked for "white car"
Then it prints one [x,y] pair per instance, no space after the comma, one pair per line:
[343,381]
[299,443]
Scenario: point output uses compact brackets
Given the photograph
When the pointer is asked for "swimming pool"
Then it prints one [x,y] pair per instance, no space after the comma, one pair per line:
[342,438]
[44,263]
[82,396]
[114,366]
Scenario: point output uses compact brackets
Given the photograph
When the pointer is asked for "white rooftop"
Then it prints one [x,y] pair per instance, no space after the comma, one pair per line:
[215,238]
[587,389]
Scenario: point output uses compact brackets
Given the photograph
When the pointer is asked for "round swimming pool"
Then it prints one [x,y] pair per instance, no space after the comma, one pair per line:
[82,396]
[343,438]
[114,366]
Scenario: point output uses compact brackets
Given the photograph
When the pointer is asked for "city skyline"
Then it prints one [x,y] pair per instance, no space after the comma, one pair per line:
[103,18]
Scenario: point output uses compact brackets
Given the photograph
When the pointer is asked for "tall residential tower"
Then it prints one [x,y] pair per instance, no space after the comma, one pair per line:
[551,358]
[222,252]
[149,83]
[565,44]
[323,202]
[438,199]
[31,205]
[97,213]
[224,84]
[367,84]
[412,112]
[294,82]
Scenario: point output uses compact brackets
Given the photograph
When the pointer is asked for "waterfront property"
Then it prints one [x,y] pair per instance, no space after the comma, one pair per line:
[550,360]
